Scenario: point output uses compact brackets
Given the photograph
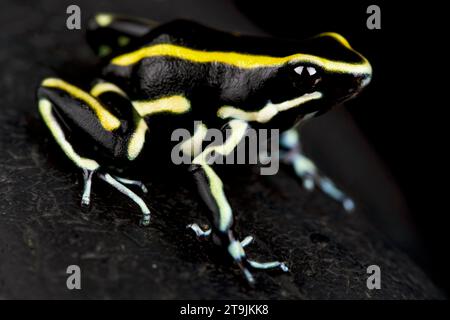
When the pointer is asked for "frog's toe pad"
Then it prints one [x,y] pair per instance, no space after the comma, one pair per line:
[268,265]
[199,232]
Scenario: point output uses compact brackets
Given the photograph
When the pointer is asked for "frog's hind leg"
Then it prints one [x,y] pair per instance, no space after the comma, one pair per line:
[108,120]
[88,166]
[307,170]
[109,33]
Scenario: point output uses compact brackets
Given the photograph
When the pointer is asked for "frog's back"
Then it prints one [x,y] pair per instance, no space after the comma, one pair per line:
[196,36]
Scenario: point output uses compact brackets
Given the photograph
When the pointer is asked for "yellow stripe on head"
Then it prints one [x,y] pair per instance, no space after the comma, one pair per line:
[107,119]
[337,37]
[240,60]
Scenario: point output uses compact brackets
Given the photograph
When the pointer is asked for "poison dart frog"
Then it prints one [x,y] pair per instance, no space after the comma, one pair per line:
[159,77]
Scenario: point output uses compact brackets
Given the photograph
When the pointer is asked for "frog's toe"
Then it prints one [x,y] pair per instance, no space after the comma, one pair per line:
[247,240]
[145,220]
[199,232]
[136,183]
[86,197]
[268,265]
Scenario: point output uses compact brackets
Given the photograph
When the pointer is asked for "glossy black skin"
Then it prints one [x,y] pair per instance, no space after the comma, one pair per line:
[210,86]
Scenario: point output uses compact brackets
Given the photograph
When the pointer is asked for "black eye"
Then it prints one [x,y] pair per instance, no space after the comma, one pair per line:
[301,70]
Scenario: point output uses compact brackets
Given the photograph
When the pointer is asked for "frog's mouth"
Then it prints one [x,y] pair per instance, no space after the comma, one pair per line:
[340,88]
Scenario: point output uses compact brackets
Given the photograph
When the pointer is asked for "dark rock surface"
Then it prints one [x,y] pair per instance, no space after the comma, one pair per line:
[43,230]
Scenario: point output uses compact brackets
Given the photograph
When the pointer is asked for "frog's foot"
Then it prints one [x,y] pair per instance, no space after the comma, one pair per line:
[87,177]
[130,194]
[236,250]
[201,233]
[307,171]
[311,178]
[329,188]
[115,182]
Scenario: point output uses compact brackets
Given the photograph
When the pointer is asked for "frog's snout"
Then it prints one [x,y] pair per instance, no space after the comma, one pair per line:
[364,80]
[360,81]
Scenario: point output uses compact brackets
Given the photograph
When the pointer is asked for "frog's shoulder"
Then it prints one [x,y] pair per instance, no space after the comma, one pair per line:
[187,33]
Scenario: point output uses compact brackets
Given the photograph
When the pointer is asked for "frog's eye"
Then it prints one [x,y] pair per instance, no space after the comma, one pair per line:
[301,70]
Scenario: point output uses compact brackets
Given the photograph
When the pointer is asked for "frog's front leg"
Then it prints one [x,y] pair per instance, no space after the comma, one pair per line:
[307,170]
[106,117]
[211,190]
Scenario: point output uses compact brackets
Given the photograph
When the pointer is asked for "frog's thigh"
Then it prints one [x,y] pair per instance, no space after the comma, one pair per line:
[80,110]
[132,138]
[87,165]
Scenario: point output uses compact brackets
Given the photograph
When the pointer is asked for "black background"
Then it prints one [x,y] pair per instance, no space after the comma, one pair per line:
[395,174]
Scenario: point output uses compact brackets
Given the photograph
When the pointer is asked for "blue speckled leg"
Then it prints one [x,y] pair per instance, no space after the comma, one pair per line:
[137,183]
[130,194]
[307,170]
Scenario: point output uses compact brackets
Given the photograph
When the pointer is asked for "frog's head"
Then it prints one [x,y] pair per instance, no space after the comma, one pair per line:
[327,72]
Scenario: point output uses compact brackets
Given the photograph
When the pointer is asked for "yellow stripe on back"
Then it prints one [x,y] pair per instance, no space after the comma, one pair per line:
[107,119]
[103,87]
[173,104]
[240,60]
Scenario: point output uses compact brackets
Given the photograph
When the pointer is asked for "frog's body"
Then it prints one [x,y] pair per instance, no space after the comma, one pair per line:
[160,78]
